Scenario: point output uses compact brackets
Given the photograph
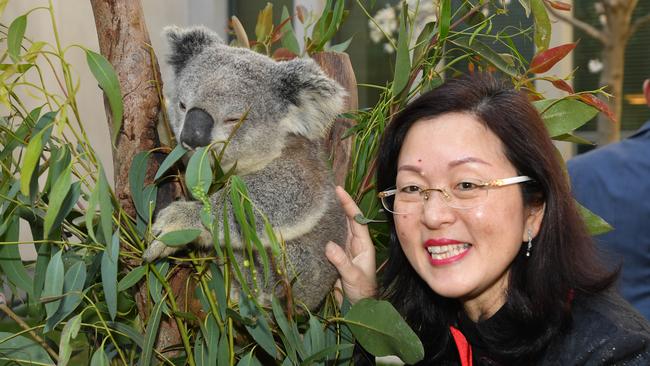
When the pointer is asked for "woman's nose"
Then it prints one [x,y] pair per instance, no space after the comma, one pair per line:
[435,211]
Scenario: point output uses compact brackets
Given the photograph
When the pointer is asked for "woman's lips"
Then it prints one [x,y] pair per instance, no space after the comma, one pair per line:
[444,251]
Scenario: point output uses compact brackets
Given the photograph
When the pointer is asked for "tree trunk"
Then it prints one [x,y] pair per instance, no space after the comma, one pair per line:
[124,41]
[618,14]
[612,75]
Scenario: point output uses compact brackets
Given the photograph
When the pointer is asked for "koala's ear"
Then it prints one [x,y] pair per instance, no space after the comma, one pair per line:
[316,98]
[186,43]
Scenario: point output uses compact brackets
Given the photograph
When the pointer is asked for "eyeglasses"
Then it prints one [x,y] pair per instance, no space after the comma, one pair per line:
[463,194]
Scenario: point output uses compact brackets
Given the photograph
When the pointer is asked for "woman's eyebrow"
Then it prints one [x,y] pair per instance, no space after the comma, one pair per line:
[469,159]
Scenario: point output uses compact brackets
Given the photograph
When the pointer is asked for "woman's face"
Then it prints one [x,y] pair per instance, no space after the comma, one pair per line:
[462,253]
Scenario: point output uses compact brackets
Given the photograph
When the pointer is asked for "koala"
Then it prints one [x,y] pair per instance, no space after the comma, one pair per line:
[288,107]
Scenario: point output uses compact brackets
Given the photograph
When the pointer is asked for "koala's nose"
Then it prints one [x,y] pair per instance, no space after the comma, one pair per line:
[197,129]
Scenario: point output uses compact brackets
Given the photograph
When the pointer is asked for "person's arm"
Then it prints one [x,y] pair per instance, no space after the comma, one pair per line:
[355,262]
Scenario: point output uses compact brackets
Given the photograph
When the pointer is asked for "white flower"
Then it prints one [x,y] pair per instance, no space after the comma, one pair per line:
[595,66]
[388,48]
[386,20]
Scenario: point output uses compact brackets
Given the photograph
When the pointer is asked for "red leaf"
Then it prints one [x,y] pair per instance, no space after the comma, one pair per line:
[283,54]
[598,104]
[544,60]
[559,5]
[277,32]
[563,85]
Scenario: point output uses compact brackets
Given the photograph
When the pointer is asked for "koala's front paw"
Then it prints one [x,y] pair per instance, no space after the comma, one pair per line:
[180,215]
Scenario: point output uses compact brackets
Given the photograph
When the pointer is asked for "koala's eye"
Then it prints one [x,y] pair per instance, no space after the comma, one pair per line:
[181,105]
[232,120]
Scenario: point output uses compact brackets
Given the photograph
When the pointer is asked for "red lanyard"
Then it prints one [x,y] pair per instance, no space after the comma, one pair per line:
[464,349]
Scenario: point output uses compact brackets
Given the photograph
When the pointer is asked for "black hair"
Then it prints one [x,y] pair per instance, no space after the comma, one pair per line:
[563,262]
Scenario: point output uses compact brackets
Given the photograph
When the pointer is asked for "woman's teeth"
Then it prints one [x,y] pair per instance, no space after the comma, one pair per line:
[447,251]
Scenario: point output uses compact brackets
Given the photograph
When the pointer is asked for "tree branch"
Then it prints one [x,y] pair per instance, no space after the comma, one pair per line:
[587,28]
[640,22]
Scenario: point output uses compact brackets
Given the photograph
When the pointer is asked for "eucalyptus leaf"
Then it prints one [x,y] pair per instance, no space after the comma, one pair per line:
[73,285]
[259,329]
[175,155]
[198,175]
[249,360]
[15,36]
[180,237]
[289,40]
[53,283]
[381,330]
[107,79]
[70,331]
[445,19]
[486,53]
[100,358]
[105,205]
[151,334]
[30,162]
[21,350]
[542,24]
[131,278]
[10,261]
[402,61]
[57,195]
[109,273]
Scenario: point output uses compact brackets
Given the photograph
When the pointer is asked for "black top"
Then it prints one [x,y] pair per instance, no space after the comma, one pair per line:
[605,330]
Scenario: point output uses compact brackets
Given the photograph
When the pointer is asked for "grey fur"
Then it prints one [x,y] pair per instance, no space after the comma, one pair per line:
[277,149]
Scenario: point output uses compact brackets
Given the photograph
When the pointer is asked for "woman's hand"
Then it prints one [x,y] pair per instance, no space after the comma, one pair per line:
[356,261]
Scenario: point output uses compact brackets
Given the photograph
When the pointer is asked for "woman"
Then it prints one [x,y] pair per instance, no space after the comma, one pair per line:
[487,246]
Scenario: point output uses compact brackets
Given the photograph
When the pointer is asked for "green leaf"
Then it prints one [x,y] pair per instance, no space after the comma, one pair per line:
[107,79]
[445,19]
[180,237]
[325,352]
[289,40]
[32,156]
[15,37]
[200,352]
[133,335]
[402,61]
[10,261]
[341,47]
[198,175]
[170,160]
[137,174]
[224,350]
[249,360]
[264,24]
[259,330]
[316,335]
[381,331]
[156,287]
[99,357]
[542,25]
[53,283]
[573,138]
[109,273]
[595,224]
[57,195]
[21,350]
[105,205]
[423,41]
[212,340]
[289,330]
[487,53]
[67,205]
[73,286]
[565,115]
[151,334]
[131,278]
[70,331]
[217,284]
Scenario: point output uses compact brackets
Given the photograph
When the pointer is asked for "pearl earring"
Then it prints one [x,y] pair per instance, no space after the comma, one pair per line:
[530,243]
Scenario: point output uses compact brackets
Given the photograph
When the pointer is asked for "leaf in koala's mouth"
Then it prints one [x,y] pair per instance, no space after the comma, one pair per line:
[180,237]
